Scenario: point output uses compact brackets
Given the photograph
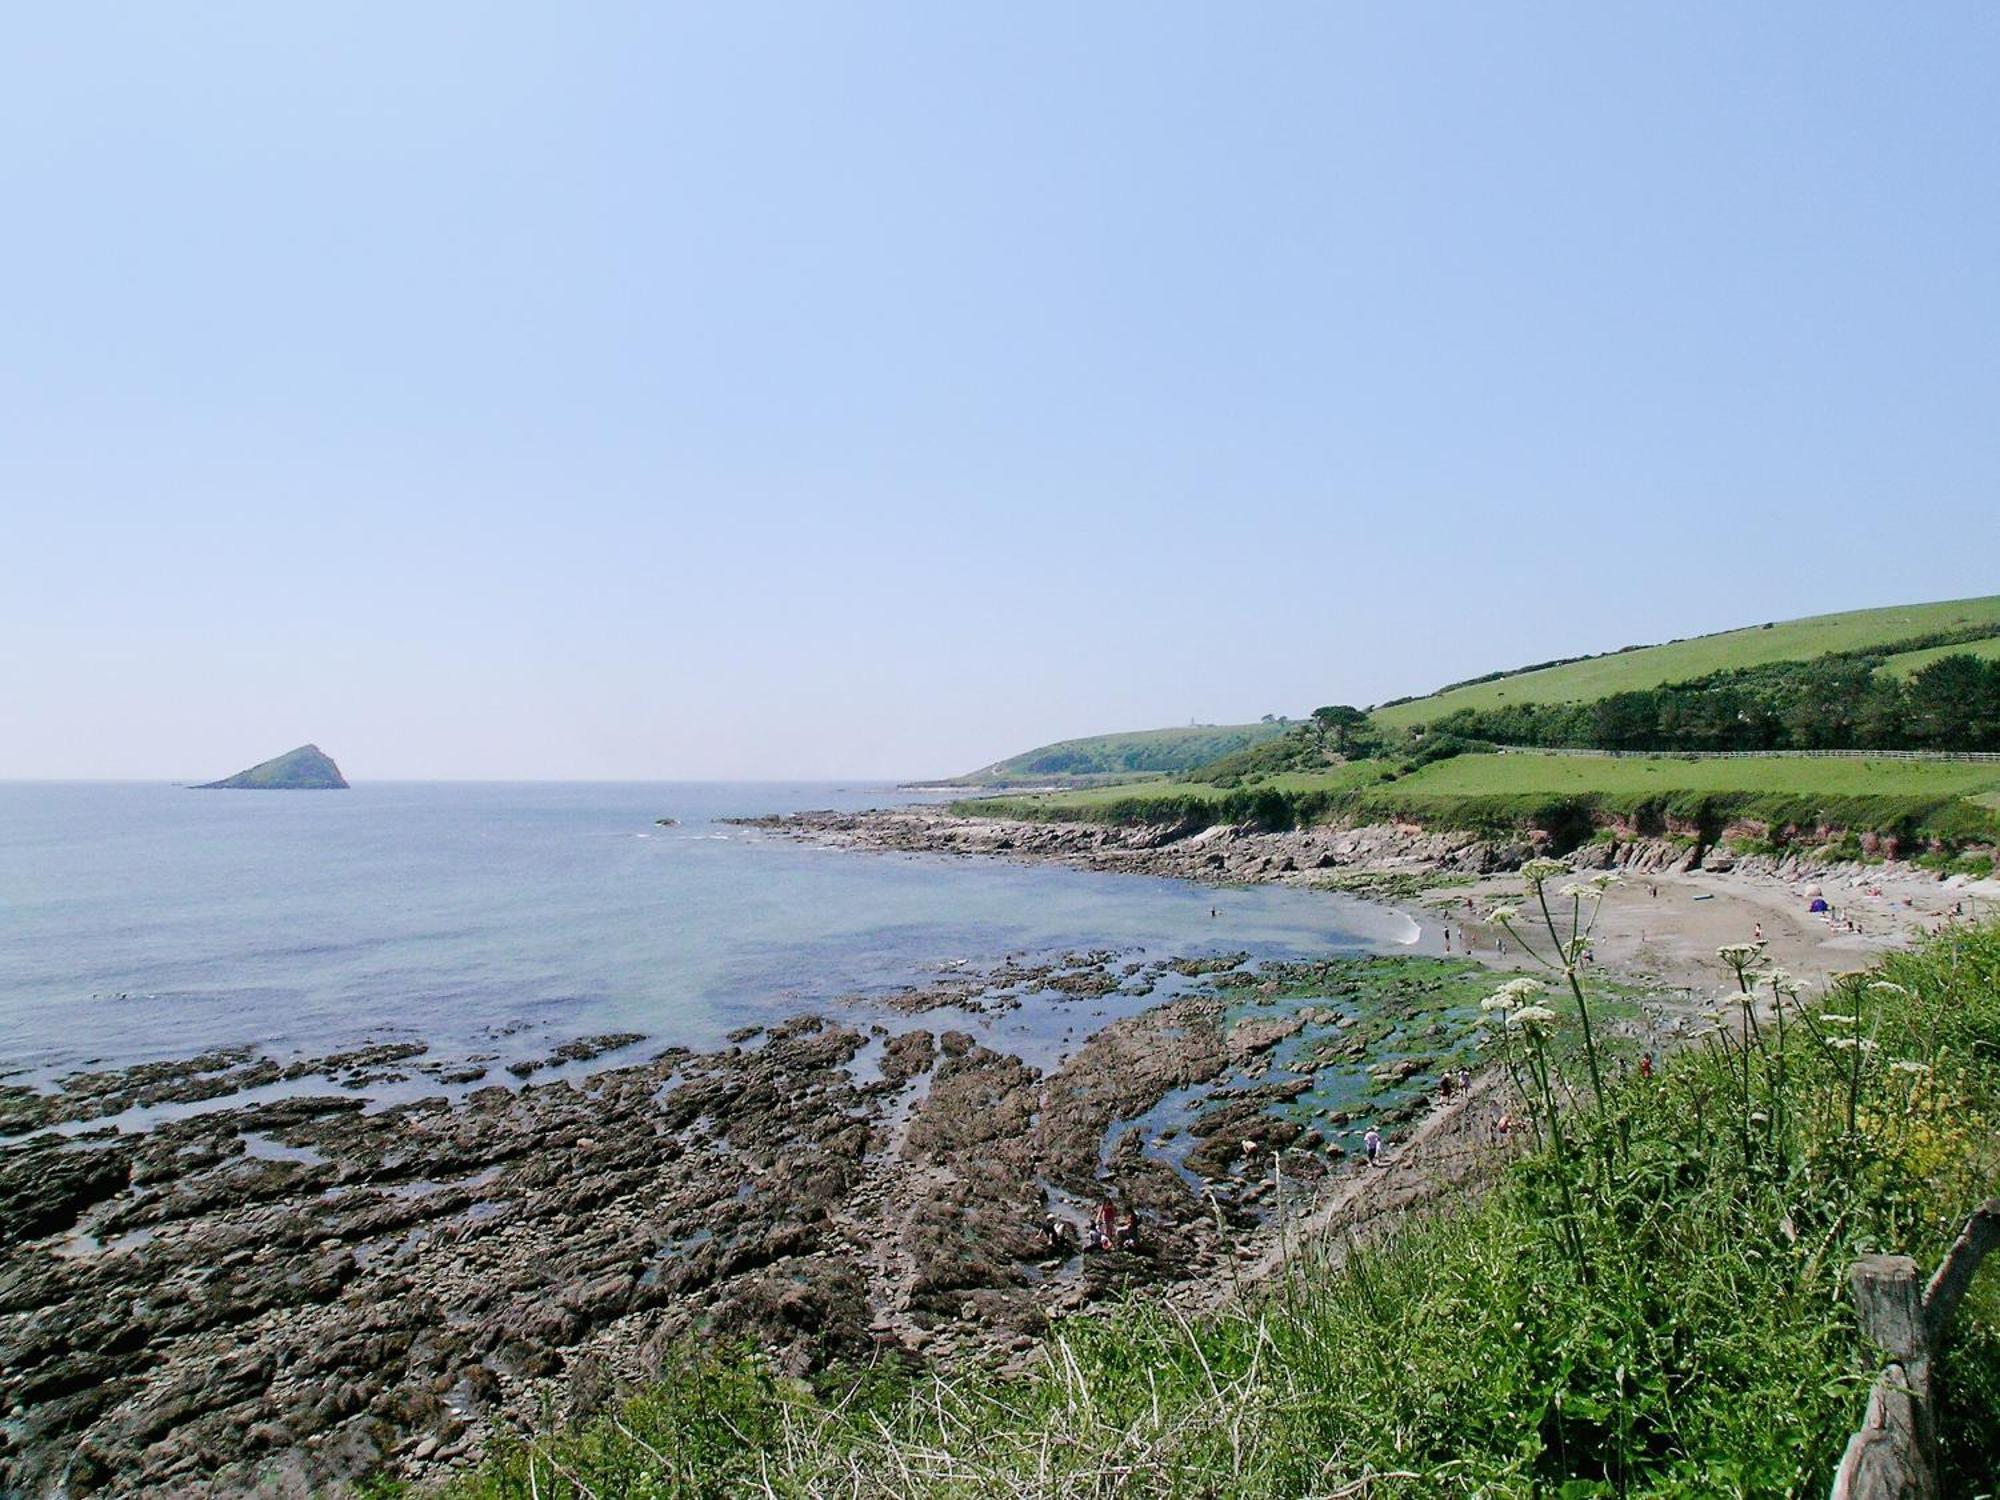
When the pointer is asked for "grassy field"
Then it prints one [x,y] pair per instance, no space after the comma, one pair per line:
[1651,1301]
[1141,751]
[1954,802]
[1789,640]
[1915,661]
[1563,775]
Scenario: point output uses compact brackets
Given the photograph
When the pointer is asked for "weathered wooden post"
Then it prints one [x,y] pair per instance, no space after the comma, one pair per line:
[1893,1455]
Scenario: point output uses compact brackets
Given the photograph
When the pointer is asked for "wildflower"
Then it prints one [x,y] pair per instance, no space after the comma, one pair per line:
[1576,890]
[1888,987]
[1520,989]
[1781,981]
[1537,872]
[1533,1015]
[1904,1065]
[1848,1043]
[1738,955]
[1503,914]
[1604,880]
[1496,1002]
[1714,1015]
[1830,1018]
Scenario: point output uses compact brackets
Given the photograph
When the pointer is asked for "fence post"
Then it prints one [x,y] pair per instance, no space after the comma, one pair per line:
[1893,1455]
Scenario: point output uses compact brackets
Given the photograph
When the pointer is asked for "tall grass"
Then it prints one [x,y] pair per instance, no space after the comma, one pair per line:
[1651,1301]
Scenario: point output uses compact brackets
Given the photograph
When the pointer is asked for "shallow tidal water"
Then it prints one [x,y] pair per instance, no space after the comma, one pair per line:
[149,921]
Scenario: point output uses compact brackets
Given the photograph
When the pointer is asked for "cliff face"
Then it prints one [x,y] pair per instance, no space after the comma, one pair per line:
[306,769]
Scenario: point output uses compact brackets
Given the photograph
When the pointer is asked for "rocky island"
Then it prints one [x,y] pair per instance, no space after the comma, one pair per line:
[306,769]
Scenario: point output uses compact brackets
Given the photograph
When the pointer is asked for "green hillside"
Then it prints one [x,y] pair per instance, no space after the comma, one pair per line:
[1142,752]
[1650,666]
[1903,664]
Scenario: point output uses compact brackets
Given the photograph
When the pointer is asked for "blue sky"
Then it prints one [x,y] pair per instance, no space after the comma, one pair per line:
[633,391]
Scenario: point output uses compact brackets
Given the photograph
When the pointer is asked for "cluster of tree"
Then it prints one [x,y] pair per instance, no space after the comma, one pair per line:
[1829,703]
[1338,731]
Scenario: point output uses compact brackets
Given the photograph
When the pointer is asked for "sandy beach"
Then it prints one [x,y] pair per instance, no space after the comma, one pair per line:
[1659,926]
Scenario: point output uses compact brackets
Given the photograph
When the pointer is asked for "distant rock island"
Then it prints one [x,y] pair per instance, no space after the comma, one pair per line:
[306,769]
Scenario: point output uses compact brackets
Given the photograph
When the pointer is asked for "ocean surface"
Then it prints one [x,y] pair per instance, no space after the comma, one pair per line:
[147,921]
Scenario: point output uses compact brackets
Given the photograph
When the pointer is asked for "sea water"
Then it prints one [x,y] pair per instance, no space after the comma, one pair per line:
[146,921]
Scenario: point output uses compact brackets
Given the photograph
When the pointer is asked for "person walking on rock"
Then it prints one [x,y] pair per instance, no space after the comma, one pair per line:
[1372,1144]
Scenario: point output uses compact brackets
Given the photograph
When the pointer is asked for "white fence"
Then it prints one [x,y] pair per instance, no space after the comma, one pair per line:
[1991,756]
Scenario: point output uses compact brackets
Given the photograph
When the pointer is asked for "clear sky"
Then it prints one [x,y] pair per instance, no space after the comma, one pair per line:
[732,390]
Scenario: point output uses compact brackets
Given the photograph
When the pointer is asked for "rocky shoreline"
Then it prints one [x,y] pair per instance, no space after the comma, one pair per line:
[280,1295]
[293,1288]
[1682,898]
[1225,854]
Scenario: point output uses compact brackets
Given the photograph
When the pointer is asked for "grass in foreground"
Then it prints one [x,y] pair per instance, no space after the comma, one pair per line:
[1652,1302]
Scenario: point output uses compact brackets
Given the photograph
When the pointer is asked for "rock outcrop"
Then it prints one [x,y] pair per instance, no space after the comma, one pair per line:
[306,769]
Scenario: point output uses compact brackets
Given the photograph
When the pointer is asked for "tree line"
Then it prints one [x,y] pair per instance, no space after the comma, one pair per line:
[1829,703]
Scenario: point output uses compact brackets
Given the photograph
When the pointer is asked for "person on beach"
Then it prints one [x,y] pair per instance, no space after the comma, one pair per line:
[1464,1080]
[1057,1233]
[1107,1225]
[1372,1144]
[1645,1065]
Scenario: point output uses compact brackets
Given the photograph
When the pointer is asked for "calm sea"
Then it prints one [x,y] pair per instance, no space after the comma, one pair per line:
[150,921]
